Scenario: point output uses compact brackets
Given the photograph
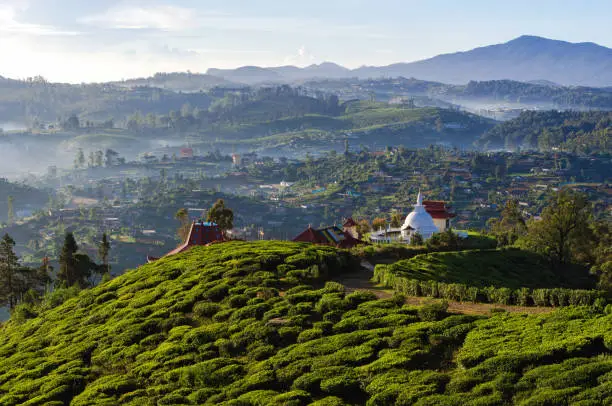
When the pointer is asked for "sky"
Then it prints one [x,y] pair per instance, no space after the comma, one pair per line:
[101,40]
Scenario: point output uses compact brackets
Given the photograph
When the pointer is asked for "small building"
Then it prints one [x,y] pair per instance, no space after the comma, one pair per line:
[236,160]
[440,213]
[350,227]
[186,152]
[331,235]
[200,233]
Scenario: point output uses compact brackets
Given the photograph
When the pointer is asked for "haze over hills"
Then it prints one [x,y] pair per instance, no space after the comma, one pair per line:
[526,58]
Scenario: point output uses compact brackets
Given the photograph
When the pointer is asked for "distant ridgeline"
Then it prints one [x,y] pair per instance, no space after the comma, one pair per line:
[257,324]
[568,130]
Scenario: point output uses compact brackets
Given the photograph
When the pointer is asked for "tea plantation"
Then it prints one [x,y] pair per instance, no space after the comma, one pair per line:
[257,324]
[506,276]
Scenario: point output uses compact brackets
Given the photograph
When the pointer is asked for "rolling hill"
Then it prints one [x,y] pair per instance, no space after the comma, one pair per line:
[257,324]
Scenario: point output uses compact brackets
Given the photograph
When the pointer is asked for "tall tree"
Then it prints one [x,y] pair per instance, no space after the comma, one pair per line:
[79,160]
[564,231]
[9,272]
[221,215]
[510,226]
[182,215]
[68,272]
[103,253]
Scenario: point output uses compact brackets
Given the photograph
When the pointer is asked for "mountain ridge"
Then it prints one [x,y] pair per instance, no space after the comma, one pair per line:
[525,58]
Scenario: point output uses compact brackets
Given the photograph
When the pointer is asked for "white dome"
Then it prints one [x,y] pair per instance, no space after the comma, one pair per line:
[420,221]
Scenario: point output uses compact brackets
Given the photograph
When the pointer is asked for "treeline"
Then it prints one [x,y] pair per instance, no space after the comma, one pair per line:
[239,106]
[20,284]
[520,92]
[498,295]
[567,130]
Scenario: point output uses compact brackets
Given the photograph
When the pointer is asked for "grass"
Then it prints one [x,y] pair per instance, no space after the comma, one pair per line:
[256,323]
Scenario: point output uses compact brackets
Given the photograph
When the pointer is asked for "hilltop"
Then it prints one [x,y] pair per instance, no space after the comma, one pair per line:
[257,324]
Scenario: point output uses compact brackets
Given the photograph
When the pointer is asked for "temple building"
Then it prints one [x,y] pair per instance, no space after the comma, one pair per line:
[200,233]
[419,221]
[427,218]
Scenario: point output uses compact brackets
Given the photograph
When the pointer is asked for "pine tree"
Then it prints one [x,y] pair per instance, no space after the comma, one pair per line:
[67,271]
[103,252]
[9,272]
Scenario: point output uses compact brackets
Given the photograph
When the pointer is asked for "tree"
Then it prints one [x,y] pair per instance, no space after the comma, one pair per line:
[72,123]
[363,227]
[564,231]
[416,239]
[9,272]
[510,226]
[221,215]
[79,160]
[182,215]
[11,210]
[103,252]
[99,158]
[379,223]
[396,219]
[68,267]
[109,157]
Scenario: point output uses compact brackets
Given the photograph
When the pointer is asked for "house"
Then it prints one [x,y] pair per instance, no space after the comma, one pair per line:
[200,233]
[331,235]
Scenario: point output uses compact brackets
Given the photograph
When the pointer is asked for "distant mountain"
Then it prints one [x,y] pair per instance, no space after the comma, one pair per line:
[526,58]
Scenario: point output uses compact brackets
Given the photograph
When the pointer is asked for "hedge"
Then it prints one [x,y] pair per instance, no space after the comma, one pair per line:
[556,297]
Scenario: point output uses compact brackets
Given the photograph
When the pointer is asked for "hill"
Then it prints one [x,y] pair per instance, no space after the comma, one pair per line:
[526,58]
[568,130]
[235,324]
[25,197]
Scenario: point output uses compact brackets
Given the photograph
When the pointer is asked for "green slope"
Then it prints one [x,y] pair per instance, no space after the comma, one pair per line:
[233,324]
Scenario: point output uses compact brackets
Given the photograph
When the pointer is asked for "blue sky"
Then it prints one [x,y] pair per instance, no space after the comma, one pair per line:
[97,40]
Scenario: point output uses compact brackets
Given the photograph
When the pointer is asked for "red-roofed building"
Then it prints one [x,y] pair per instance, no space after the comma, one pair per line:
[332,235]
[186,152]
[201,233]
[350,226]
[440,213]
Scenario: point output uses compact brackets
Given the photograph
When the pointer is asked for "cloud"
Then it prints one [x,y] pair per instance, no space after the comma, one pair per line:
[302,57]
[162,17]
[10,24]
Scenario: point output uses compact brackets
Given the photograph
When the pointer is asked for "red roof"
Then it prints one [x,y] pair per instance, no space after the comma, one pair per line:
[437,209]
[201,233]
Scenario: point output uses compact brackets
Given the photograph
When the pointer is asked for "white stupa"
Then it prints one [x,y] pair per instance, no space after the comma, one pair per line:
[419,221]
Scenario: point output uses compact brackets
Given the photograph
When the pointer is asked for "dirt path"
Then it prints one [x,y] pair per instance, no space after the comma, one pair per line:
[359,281]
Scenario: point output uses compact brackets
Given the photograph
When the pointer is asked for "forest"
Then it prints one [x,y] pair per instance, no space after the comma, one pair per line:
[586,132]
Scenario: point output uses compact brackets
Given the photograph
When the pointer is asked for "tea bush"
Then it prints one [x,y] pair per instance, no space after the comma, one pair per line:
[206,328]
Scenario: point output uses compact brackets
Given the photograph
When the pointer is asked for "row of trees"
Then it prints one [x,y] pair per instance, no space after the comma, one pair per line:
[98,158]
[20,283]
